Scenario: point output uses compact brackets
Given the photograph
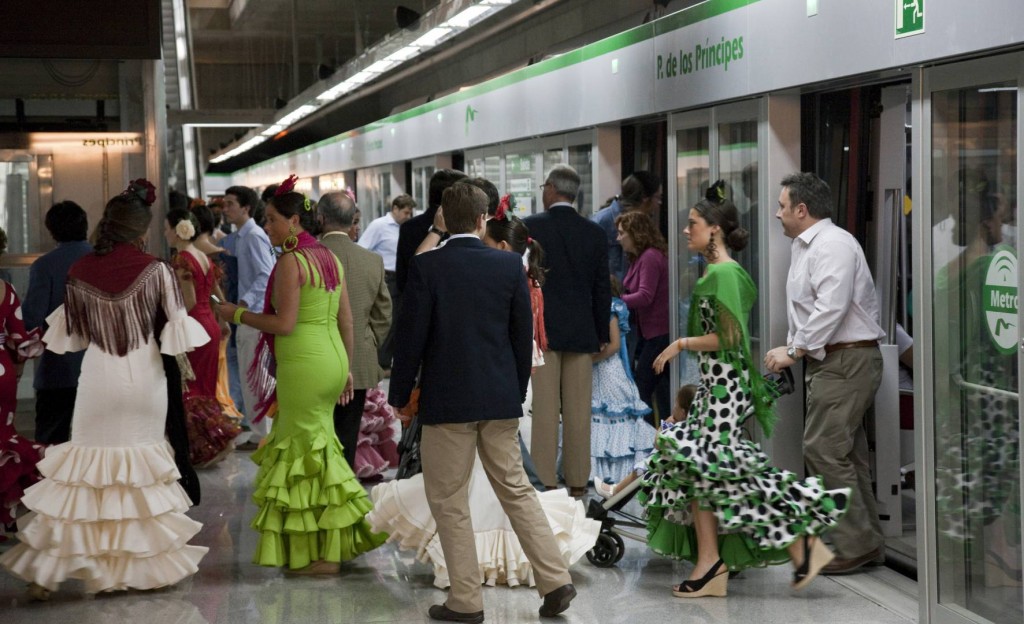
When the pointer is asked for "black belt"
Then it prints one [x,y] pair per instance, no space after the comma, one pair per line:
[857,344]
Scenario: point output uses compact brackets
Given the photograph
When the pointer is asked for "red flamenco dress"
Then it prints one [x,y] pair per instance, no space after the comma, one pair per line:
[18,455]
[211,431]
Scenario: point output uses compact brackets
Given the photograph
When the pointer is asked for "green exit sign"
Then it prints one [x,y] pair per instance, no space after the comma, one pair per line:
[909,17]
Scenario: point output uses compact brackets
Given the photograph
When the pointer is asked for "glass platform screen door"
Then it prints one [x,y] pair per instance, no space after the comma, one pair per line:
[971,408]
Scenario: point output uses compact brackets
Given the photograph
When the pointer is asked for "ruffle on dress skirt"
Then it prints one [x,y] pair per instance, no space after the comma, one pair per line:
[18,459]
[211,432]
[377,450]
[311,506]
[617,443]
[112,517]
[760,509]
[400,509]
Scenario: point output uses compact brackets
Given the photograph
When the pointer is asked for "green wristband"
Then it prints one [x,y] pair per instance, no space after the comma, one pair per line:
[238,315]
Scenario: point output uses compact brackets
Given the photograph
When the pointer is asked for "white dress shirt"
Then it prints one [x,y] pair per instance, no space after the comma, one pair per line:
[381,237]
[830,292]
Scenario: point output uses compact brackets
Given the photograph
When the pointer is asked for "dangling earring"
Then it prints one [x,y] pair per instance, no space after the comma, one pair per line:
[291,242]
[711,251]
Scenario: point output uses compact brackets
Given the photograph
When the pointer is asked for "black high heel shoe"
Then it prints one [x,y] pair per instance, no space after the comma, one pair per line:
[816,557]
[714,583]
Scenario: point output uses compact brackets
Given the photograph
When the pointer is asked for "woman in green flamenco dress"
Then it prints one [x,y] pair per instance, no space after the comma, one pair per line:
[712,496]
[311,506]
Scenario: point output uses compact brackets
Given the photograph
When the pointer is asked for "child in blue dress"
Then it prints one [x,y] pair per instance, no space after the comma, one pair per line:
[619,435]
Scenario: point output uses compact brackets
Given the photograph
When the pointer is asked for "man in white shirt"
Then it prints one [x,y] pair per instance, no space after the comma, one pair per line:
[834,322]
[381,237]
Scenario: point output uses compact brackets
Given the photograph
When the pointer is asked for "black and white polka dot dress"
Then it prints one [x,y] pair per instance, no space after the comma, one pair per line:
[760,509]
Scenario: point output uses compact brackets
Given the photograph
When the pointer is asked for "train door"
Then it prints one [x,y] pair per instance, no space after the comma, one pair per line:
[970,303]
[859,141]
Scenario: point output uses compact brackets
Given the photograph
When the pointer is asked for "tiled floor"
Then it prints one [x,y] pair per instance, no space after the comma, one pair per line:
[390,586]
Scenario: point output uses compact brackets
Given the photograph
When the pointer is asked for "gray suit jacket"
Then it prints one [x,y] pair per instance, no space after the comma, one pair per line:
[371,306]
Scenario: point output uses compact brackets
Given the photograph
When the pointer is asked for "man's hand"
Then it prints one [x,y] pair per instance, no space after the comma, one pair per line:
[776,359]
[439,219]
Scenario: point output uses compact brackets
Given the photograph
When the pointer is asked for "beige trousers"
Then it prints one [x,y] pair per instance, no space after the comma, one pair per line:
[840,390]
[562,386]
[448,452]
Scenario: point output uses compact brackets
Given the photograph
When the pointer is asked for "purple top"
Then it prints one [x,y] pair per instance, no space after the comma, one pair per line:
[646,286]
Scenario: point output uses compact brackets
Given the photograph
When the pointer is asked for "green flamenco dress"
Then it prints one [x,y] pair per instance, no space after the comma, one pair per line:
[707,458]
[311,505]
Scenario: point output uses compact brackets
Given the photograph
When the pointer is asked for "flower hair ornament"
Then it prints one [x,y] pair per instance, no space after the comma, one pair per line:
[143,189]
[185,229]
[287,186]
[506,208]
[716,193]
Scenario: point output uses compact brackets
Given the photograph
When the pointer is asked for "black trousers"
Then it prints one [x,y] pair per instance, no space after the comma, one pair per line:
[387,349]
[54,408]
[654,389]
[346,425]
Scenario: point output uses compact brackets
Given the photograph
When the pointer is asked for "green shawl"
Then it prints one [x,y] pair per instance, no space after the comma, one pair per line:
[732,293]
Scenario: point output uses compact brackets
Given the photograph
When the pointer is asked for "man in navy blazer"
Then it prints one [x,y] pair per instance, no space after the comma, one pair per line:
[466,323]
[577,310]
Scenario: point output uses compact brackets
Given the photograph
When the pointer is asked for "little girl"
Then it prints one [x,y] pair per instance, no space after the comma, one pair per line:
[619,435]
[683,400]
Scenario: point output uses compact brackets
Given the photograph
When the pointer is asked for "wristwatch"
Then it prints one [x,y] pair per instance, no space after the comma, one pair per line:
[791,352]
[435,230]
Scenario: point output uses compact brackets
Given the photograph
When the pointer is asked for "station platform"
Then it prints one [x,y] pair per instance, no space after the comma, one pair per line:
[387,585]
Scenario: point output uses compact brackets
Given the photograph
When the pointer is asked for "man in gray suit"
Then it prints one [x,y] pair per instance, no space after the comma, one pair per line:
[371,311]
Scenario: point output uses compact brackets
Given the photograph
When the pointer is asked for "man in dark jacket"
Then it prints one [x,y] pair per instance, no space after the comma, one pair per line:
[466,322]
[577,309]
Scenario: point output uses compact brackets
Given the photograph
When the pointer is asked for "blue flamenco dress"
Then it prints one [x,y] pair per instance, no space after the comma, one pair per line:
[619,435]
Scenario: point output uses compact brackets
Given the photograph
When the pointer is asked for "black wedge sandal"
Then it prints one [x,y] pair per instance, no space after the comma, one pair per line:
[714,583]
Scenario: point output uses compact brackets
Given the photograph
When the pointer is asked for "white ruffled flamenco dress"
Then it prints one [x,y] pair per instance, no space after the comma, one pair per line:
[400,509]
[109,510]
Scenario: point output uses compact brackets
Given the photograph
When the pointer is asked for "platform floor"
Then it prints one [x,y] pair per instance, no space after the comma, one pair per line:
[390,586]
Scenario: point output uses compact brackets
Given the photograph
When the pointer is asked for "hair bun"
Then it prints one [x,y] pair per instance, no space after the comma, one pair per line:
[716,192]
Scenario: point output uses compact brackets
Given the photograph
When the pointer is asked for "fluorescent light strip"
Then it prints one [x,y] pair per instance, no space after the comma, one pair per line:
[380,66]
[498,2]
[403,54]
[272,130]
[303,111]
[469,16]
[432,37]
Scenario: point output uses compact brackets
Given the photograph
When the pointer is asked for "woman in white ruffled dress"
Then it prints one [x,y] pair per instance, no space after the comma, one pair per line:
[400,507]
[109,510]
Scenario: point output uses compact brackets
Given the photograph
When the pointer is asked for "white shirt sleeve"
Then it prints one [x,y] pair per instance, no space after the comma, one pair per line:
[832,283]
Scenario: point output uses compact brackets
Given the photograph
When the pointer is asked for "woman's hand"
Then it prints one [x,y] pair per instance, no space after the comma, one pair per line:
[348,392]
[225,311]
[439,219]
[671,351]
[225,328]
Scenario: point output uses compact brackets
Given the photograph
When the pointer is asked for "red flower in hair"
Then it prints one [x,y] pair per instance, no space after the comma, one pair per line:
[143,189]
[287,186]
[506,204]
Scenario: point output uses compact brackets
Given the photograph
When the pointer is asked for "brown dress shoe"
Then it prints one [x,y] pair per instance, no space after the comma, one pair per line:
[839,566]
[443,613]
[557,600]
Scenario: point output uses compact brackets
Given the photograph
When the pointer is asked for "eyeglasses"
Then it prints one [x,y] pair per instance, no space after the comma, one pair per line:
[546,184]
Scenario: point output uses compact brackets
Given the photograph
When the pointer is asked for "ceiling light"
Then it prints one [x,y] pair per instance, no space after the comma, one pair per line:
[380,66]
[468,16]
[498,2]
[334,92]
[297,114]
[403,54]
[360,77]
[272,130]
[432,36]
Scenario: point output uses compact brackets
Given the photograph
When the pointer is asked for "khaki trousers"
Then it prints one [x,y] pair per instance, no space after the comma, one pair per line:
[840,389]
[448,452]
[562,386]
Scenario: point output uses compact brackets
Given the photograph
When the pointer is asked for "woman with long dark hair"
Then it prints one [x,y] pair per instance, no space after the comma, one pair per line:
[311,504]
[703,470]
[109,510]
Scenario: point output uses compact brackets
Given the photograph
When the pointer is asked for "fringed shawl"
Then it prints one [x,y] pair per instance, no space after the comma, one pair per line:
[732,293]
[114,300]
[324,272]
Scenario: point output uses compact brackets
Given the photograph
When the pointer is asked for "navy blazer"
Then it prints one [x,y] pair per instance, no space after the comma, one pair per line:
[410,235]
[466,320]
[577,293]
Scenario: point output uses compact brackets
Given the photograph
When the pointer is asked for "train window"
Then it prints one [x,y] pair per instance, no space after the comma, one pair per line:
[580,160]
[15,216]
[693,166]
[521,179]
[737,165]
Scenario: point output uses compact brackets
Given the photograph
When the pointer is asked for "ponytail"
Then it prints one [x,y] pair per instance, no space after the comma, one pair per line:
[534,256]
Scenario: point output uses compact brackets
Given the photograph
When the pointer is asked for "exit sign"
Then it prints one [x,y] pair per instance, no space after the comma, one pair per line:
[909,17]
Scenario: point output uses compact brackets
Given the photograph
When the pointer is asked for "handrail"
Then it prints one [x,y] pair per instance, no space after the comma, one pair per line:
[986,389]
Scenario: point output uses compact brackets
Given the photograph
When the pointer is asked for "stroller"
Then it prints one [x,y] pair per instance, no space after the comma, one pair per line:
[617,523]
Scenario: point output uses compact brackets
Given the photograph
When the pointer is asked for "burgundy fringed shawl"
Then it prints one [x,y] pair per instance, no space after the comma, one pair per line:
[324,273]
[114,300]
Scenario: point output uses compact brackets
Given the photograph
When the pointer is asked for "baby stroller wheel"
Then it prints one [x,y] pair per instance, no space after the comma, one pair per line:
[605,552]
[620,547]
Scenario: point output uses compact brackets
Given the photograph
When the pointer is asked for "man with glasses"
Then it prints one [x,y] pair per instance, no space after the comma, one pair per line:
[577,307]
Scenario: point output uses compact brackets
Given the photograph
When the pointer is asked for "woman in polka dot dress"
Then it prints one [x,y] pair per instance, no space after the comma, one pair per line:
[18,455]
[712,496]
